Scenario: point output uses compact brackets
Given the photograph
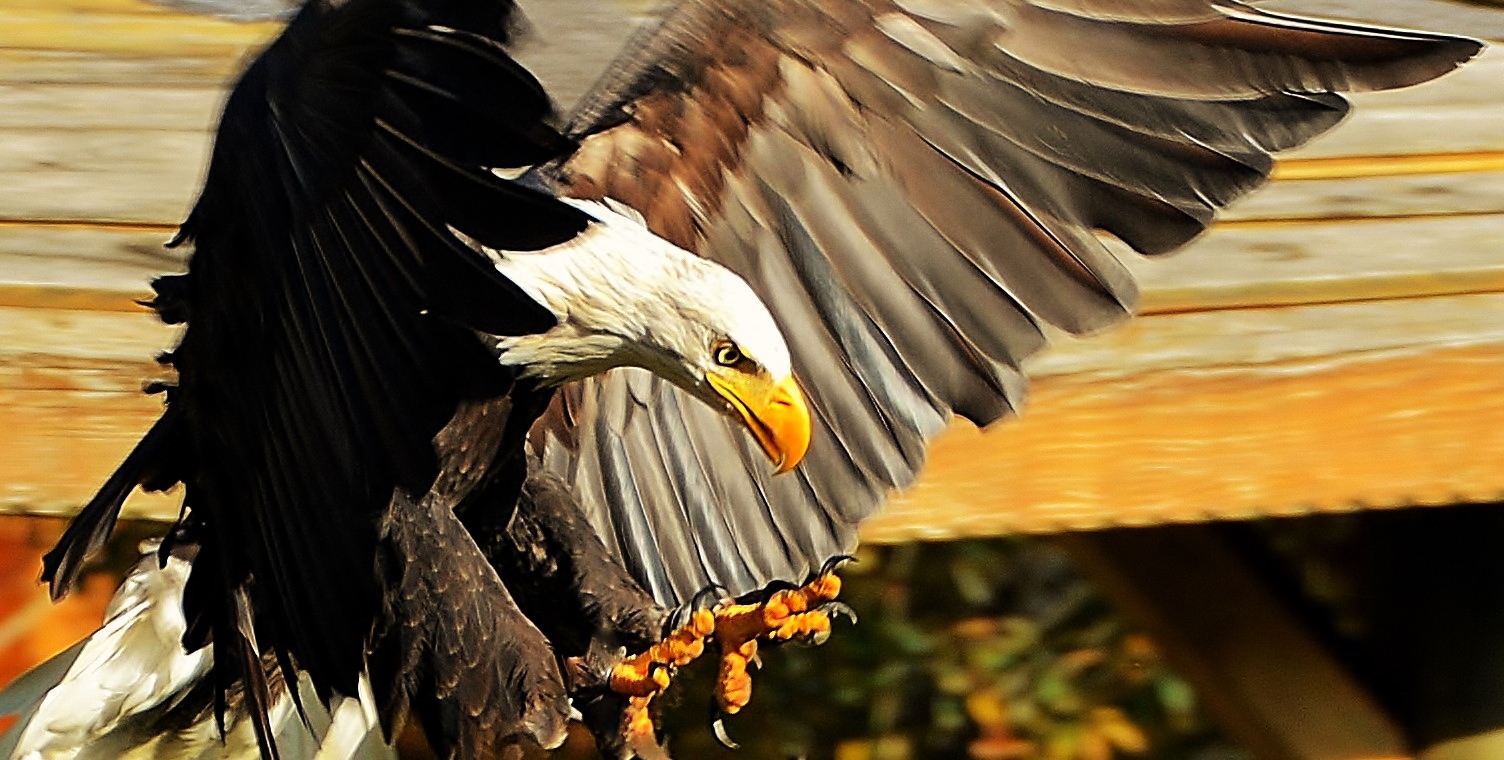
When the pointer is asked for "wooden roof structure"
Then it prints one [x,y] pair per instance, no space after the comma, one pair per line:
[1334,344]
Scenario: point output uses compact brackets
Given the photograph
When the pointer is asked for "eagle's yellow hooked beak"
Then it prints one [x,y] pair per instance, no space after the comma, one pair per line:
[775,413]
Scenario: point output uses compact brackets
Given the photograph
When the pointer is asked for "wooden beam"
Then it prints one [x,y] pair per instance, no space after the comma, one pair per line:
[1176,418]
[1233,414]
[141,29]
[1274,262]
[143,163]
[1260,673]
[1332,346]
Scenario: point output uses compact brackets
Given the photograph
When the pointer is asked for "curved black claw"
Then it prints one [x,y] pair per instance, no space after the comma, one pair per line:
[704,599]
[708,597]
[718,727]
[835,609]
[759,596]
[833,564]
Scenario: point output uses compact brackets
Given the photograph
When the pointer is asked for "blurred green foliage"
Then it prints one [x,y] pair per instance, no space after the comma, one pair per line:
[982,650]
[990,649]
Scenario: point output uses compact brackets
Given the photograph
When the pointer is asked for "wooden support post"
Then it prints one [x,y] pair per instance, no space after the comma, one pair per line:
[1430,584]
[1263,677]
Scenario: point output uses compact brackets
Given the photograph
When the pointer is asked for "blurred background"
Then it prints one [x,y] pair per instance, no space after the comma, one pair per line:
[1256,522]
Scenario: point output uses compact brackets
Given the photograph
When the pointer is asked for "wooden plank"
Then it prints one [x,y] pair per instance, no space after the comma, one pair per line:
[75,67]
[109,175]
[147,107]
[100,7]
[1233,267]
[74,439]
[122,144]
[1430,129]
[1294,262]
[118,132]
[1382,189]
[1247,263]
[1176,418]
[82,350]
[1273,687]
[1217,340]
[71,404]
[116,263]
[1231,415]
[129,34]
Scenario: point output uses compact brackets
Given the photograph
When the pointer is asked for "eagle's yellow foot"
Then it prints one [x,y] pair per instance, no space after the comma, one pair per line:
[800,613]
[649,673]
[642,677]
[791,614]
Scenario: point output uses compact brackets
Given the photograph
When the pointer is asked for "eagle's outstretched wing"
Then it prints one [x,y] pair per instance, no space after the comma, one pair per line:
[915,188]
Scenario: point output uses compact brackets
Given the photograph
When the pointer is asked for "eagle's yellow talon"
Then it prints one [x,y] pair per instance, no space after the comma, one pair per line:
[734,687]
[825,587]
[637,726]
[785,615]
[702,622]
[649,673]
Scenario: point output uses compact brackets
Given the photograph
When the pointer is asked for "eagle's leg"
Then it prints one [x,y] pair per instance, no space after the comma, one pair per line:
[564,578]
[454,646]
[587,604]
[590,608]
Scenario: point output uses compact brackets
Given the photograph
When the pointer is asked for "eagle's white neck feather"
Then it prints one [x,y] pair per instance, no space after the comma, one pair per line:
[624,296]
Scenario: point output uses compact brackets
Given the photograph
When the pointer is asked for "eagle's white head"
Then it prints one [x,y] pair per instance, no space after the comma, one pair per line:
[626,297]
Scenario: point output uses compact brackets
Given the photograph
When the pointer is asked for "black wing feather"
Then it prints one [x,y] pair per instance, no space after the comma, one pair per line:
[332,314]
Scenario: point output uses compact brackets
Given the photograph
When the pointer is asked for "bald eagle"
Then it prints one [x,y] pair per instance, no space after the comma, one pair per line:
[465,399]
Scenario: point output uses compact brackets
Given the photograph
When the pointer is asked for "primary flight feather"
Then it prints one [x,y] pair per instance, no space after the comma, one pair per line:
[915,188]
[392,351]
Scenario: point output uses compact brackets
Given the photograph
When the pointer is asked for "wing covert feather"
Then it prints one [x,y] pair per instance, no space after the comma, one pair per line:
[915,188]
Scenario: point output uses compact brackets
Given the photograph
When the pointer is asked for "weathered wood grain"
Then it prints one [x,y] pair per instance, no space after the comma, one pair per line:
[117,143]
[100,175]
[1336,343]
[93,7]
[1182,417]
[1295,262]
[115,261]
[1422,429]
[1434,128]
[1245,263]
[1258,338]
[77,67]
[148,32]
[110,106]
[1445,185]
[60,444]
[71,404]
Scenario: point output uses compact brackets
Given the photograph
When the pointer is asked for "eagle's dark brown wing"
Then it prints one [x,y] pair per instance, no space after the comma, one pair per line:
[332,308]
[915,187]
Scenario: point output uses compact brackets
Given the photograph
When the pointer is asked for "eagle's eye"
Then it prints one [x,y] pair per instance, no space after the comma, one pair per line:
[727,354]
